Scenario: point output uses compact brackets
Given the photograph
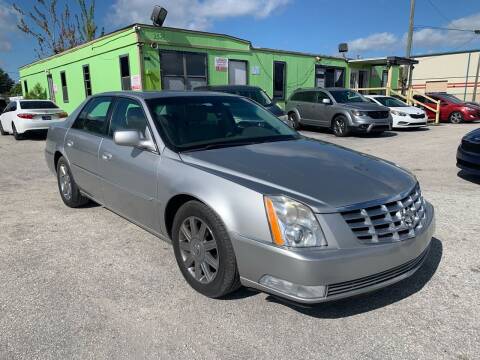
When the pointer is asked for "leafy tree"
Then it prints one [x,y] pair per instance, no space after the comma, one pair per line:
[57,30]
[6,82]
[16,90]
[37,92]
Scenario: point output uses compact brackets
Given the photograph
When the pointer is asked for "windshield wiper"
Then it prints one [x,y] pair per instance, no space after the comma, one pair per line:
[220,145]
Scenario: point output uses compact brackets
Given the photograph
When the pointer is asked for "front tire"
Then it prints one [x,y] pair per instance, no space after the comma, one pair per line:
[456,117]
[340,126]
[203,250]
[69,191]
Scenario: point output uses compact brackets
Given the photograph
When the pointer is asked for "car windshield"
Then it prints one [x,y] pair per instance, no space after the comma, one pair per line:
[257,95]
[450,98]
[194,122]
[390,101]
[27,105]
[347,96]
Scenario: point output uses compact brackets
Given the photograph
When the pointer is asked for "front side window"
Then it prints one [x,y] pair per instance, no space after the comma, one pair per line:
[63,80]
[128,115]
[93,118]
[183,70]
[347,96]
[321,95]
[189,123]
[257,95]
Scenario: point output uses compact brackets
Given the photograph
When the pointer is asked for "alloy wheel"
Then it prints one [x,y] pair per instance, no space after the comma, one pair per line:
[198,249]
[339,126]
[65,182]
[456,118]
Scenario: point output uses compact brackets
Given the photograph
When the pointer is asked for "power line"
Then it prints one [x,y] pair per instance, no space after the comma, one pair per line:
[439,12]
[475,31]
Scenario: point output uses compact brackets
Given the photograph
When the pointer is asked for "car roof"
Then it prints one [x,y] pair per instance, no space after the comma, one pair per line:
[161,94]
[320,88]
[229,87]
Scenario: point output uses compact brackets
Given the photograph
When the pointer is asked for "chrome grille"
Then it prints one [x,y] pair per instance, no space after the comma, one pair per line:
[389,222]
[417,116]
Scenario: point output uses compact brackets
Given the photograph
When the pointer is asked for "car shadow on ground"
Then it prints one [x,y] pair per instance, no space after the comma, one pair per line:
[374,300]
[327,131]
[468,177]
[35,136]
[408,130]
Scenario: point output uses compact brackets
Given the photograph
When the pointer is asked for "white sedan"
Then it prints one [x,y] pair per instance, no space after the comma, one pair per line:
[403,115]
[21,116]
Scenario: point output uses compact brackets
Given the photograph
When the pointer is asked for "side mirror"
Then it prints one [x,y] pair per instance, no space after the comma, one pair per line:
[132,138]
[326,101]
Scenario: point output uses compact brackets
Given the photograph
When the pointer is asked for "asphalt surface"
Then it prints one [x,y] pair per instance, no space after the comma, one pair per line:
[87,284]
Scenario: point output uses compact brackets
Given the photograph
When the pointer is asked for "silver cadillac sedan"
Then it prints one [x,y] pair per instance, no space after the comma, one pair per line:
[244,199]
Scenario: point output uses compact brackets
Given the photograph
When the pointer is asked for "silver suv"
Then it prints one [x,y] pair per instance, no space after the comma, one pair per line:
[339,109]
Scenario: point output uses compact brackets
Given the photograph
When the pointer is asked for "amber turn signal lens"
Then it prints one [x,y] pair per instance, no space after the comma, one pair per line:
[273,222]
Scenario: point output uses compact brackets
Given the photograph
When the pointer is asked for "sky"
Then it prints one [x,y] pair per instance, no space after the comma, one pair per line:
[370,27]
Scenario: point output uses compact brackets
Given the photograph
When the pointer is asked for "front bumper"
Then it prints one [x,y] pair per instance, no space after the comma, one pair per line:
[344,272]
[469,162]
[367,124]
[28,125]
[408,122]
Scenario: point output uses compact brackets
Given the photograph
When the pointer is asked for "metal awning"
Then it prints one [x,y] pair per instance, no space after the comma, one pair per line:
[390,60]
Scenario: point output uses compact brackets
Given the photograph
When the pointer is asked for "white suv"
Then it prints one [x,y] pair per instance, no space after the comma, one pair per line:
[21,116]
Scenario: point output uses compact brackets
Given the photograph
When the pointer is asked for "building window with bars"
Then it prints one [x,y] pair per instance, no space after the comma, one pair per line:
[86,80]
[63,80]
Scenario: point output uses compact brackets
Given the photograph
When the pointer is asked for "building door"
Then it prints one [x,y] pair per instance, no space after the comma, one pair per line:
[237,72]
[363,79]
[329,76]
[51,89]
[354,79]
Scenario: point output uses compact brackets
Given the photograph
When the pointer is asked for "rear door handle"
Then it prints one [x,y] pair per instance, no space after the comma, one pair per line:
[69,143]
[106,156]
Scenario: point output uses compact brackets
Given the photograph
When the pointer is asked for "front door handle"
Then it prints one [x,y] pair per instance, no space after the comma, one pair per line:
[69,143]
[106,156]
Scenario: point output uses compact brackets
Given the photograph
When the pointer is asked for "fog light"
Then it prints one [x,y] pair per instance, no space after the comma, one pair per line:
[363,126]
[286,287]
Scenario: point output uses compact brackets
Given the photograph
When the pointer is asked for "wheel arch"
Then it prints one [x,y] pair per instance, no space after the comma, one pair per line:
[172,207]
[57,157]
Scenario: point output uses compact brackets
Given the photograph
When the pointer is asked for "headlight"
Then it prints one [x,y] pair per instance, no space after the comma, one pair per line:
[359,113]
[292,223]
[399,113]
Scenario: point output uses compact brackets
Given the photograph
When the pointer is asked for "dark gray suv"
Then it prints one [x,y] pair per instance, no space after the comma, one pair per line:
[342,110]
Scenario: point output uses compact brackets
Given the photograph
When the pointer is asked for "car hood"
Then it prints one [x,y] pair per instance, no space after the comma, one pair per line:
[411,110]
[325,176]
[473,136]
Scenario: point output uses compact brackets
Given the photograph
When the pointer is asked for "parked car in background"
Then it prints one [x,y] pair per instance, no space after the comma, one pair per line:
[22,116]
[403,115]
[452,109]
[252,92]
[342,110]
[243,202]
[468,153]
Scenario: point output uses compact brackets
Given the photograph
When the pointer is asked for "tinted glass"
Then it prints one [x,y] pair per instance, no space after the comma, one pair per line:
[195,64]
[309,96]
[321,95]
[347,96]
[450,98]
[188,123]
[128,115]
[37,105]
[93,117]
[171,63]
[390,101]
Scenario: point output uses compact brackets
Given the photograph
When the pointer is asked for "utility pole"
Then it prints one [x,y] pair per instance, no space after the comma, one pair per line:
[410,29]
[408,52]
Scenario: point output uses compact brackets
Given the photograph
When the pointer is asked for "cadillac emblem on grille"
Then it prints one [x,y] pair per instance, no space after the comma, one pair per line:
[408,218]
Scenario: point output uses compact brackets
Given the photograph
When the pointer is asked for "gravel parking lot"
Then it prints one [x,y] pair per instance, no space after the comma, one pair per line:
[88,284]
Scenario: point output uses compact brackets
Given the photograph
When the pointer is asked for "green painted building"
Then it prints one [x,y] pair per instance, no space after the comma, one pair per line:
[144,57]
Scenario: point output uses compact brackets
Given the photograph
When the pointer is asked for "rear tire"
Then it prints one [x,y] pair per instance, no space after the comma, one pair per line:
[16,135]
[456,117]
[293,119]
[69,191]
[2,132]
[340,126]
[203,250]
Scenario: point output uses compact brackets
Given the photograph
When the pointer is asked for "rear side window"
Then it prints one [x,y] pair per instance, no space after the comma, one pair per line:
[11,106]
[94,116]
[28,105]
